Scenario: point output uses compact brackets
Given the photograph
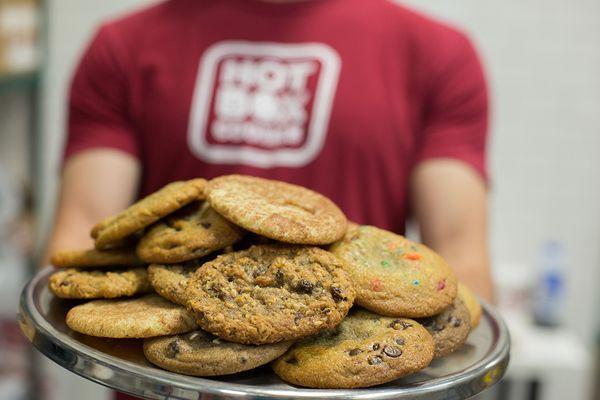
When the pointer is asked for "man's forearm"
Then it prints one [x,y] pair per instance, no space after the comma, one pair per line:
[95,184]
[450,203]
[471,269]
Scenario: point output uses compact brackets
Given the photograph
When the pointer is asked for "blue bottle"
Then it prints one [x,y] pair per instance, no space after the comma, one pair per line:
[549,295]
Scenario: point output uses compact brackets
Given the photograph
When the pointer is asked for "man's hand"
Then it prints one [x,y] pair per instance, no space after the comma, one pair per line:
[449,200]
[95,184]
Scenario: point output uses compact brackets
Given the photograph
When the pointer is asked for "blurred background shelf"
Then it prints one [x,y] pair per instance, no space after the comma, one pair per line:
[18,81]
[20,94]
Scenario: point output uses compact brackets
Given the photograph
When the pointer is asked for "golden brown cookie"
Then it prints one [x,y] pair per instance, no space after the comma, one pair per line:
[277,210]
[192,232]
[270,293]
[75,284]
[143,317]
[170,281]
[473,305]
[364,350]
[201,354]
[394,276]
[449,329]
[93,258]
[145,212]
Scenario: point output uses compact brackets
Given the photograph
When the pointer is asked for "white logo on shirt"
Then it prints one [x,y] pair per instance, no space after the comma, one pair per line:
[262,104]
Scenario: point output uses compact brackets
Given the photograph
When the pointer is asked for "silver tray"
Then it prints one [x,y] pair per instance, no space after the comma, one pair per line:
[120,364]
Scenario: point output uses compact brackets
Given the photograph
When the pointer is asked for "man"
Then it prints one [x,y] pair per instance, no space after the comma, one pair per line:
[379,108]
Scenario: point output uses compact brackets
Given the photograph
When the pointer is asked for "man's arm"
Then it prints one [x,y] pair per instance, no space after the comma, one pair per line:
[95,184]
[450,203]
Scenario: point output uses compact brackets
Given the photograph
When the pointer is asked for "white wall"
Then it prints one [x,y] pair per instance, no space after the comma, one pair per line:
[543,59]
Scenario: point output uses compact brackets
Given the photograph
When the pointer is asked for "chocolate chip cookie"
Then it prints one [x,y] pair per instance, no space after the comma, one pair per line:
[170,281]
[270,293]
[449,329]
[75,284]
[201,354]
[473,305]
[277,210]
[143,317]
[93,258]
[113,230]
[394,276]
[192,232]
[364,350]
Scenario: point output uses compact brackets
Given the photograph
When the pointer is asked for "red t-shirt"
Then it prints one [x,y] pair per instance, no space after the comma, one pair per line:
[341,96]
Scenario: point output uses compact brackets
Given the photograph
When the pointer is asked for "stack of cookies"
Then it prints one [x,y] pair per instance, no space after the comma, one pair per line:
[222,276]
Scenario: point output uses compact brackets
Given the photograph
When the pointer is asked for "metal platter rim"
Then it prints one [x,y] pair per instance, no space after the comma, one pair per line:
[48,339]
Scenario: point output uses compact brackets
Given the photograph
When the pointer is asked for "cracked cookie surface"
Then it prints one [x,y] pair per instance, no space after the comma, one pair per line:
[277,210]
[364,350]
[270,293]
[142,317]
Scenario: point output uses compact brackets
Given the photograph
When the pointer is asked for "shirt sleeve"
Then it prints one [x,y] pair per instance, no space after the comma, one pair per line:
[98,112]
[455,114]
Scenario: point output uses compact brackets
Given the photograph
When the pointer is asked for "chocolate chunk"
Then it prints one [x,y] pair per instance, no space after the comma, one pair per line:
[206,225]
[326,310]
[279,279]
[355,352]
[243,360]
[173,349]
[455,322]
[400,325]
[375,360]
[392,351]
[337,295]
[304,286]
[400,341]
[375,346]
